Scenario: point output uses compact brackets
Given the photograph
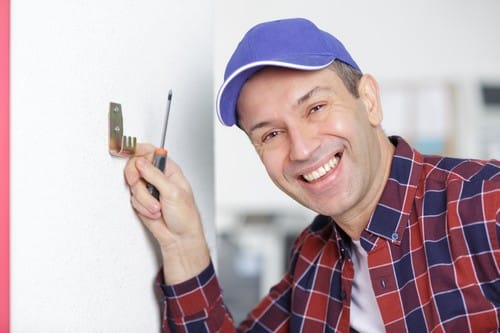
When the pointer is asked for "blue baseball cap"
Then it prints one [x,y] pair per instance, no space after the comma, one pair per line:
[290,43]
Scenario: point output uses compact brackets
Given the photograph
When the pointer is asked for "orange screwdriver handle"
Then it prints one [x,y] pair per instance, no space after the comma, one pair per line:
[160,162]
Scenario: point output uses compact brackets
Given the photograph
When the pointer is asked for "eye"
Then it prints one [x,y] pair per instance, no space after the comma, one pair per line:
[269,135]
[316,108]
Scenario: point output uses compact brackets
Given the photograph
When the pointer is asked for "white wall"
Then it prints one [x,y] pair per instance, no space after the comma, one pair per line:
[410,41]
[80,259]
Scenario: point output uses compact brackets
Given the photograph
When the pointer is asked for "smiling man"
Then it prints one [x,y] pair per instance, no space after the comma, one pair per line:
[320,144]
[402,242]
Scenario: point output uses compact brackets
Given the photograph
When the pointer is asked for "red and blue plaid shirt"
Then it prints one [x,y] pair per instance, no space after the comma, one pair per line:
[433,256]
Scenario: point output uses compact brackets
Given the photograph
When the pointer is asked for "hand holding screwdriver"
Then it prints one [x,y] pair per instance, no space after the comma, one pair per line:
[160,156]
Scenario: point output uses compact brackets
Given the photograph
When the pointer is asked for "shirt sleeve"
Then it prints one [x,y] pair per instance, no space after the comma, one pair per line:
[196,305]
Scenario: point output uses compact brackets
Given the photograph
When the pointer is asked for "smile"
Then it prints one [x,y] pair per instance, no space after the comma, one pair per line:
[323,170]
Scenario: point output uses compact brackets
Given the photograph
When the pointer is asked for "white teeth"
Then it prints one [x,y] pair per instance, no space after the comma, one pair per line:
[322,170]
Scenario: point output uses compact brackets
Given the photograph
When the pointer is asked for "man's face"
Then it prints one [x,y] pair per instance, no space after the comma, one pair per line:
[319,144]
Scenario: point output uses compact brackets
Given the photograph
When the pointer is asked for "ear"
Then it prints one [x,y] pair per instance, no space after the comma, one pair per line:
[370,95]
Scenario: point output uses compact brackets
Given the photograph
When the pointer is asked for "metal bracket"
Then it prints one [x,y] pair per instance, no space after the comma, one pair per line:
[119,144]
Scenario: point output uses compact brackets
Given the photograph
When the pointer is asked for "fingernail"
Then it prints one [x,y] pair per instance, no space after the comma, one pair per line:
[155,207]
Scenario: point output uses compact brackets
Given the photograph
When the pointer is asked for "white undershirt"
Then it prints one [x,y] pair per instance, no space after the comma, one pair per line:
[365,315]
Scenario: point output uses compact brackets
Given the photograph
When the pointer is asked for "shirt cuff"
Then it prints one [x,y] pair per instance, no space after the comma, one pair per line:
[193,296]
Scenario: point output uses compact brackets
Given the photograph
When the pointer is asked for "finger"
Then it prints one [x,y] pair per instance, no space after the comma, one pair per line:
[146,204]
[143,150]
[153,222]
[145,211]
[149,172]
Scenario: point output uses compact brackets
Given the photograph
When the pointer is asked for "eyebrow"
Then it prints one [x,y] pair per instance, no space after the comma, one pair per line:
[256,127]
[309,94]
[301,100]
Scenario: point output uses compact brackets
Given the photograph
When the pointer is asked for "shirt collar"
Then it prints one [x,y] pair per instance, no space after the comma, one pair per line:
[393,209]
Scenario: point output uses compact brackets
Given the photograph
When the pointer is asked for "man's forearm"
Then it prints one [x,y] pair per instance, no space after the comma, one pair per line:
[184,260]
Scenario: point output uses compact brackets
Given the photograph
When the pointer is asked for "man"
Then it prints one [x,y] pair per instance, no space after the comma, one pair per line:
[402,242]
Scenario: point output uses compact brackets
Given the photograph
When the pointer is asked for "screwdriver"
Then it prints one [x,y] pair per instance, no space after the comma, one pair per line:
[160,156]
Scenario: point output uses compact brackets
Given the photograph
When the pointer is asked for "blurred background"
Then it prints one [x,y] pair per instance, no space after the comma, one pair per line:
[438,69]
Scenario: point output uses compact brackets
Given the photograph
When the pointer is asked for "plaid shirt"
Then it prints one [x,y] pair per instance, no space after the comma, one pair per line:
[433,256]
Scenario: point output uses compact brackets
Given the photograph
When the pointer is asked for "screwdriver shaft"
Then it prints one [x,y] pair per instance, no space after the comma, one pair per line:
[160,156]
[165,124]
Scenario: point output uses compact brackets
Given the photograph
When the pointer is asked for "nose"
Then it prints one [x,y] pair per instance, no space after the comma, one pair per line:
[303,142]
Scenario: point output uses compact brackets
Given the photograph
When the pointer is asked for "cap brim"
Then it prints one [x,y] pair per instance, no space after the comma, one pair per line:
[229,92]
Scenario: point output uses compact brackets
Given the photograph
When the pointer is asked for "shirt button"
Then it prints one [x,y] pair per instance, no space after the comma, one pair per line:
[395,236]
